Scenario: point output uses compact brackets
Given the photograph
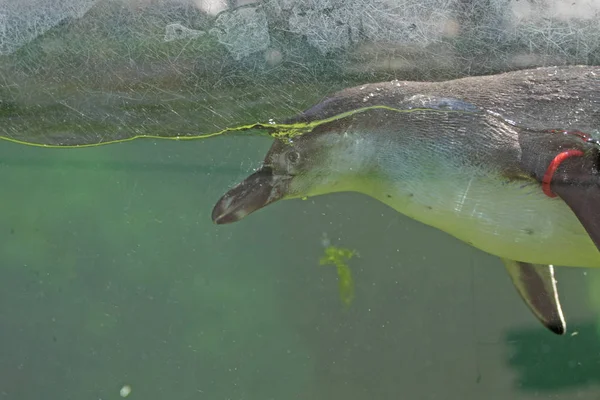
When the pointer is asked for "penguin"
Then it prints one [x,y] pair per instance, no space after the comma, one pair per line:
[507,163]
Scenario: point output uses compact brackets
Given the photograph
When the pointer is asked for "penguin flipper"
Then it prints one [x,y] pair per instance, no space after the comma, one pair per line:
[537,287]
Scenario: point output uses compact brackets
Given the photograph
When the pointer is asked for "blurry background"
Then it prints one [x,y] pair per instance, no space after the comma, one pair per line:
[112,274]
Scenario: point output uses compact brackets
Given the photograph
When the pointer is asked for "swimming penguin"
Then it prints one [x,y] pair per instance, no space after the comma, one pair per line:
[507,163]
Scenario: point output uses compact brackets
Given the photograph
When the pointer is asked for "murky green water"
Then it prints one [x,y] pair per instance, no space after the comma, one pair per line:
[112,273]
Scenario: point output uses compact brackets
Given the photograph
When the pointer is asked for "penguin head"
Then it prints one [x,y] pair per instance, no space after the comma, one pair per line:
[325,160]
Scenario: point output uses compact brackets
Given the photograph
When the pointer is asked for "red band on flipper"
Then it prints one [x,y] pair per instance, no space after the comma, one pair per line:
[554,166]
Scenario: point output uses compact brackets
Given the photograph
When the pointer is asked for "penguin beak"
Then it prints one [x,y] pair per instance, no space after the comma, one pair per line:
[253,193]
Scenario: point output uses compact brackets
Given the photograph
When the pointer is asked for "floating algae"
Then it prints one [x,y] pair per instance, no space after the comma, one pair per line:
[283,131]
[338,257]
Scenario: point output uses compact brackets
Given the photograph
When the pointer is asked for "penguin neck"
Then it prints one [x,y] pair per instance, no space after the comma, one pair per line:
[377,165]
[406,172]
[356,165]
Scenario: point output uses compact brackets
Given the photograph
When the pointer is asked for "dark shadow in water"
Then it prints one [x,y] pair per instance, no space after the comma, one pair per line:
[546,362]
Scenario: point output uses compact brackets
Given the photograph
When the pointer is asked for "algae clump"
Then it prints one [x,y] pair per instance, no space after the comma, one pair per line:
[338,257]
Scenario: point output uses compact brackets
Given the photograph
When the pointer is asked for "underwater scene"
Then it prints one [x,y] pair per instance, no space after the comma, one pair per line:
[299,200]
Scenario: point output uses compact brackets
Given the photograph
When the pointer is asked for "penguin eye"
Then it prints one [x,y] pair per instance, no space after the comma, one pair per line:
[293,157]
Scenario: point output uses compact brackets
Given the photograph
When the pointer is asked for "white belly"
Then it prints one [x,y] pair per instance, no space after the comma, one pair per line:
[503,219]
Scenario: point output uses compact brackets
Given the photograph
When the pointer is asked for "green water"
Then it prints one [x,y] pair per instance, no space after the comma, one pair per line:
[112,273]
